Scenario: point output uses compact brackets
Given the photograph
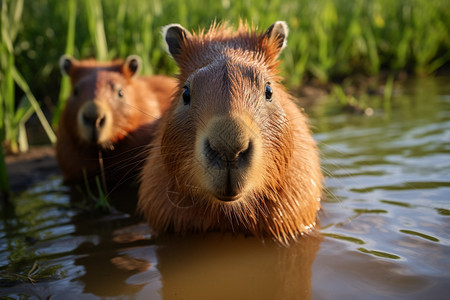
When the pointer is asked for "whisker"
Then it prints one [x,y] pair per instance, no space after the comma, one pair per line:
[139,109]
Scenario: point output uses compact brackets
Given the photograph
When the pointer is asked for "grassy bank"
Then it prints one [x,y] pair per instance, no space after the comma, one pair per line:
[328,39]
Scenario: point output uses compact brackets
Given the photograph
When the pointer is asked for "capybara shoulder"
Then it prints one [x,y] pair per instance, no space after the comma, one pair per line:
[110,114]
[233,153]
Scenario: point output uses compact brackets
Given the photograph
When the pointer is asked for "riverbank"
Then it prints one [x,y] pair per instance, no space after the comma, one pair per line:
[34,166]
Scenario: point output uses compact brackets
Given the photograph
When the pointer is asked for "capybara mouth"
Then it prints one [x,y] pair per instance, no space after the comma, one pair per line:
[224,198]
[93,140]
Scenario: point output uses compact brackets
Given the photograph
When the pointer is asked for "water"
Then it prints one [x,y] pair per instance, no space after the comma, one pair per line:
[385,226]
[387,223]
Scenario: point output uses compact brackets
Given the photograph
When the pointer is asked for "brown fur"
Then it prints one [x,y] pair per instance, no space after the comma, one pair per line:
[131,119]
[276,191]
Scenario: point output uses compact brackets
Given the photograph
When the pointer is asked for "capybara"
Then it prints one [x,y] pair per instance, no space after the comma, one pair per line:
[109,118]
[233,152]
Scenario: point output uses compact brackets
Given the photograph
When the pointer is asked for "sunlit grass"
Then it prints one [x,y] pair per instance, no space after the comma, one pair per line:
[14,111]
[328,39]
[69,50]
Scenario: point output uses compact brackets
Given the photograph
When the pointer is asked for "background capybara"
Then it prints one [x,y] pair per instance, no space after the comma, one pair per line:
[233,152]
[111,113]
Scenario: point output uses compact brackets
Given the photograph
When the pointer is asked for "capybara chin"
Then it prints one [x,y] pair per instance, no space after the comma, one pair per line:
[111,114]
[233,152]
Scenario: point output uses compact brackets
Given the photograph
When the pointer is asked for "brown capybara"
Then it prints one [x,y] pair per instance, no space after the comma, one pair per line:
[233,152]
[109,118]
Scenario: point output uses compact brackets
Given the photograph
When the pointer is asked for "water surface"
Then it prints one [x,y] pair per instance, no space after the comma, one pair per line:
[385,226]
[387,215]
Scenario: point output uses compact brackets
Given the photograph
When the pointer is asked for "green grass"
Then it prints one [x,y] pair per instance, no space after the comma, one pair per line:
[15,111]
[99,199]
[329,39]
[69,50]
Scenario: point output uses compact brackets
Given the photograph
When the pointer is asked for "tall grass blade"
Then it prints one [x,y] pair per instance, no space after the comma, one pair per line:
[16,18]
[7,87]
[96,26]
[388,89]
[374,61]
[26,89]
[23,113]
[70,48]
[72,14]
[23,140]
[4,184]
[8,90]
[438,62]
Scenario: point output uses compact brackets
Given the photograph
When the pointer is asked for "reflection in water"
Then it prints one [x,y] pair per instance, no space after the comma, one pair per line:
[104,247]
[106,274]
[106,267]
[385,227]
[226,267]
[71,251]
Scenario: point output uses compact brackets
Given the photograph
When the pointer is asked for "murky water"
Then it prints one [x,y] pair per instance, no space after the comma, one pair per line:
[385,226]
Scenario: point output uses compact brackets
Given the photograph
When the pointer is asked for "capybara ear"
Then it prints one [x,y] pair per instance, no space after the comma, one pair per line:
[132,65]
[66,63]
[278,33]
[175,35]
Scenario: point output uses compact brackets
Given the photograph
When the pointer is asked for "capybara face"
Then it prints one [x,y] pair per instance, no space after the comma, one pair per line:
[229,117]
[233,153]
[109,119]
[102,103]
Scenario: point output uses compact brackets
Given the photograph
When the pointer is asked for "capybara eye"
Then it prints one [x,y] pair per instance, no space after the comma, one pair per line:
[120,93]
[186,96]
[269,92]
[75,91]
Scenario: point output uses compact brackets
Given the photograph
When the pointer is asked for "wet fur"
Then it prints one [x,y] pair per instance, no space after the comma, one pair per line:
[285,183]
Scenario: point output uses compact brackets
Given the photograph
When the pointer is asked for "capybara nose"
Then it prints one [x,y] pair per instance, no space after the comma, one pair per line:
[228,144]
[93,116]
[93,122]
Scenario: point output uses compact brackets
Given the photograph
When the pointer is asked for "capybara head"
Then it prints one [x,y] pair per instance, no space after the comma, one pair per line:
[111,114]
[102,105]
[233,153]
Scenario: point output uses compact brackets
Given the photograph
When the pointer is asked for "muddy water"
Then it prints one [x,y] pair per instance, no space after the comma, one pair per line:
[385,226]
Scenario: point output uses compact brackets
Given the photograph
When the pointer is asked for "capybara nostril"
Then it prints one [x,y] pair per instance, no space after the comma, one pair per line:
[212,156]
[93,116]
[93,120]
[86,120]
[100,122]
[227,154]
[245,155]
